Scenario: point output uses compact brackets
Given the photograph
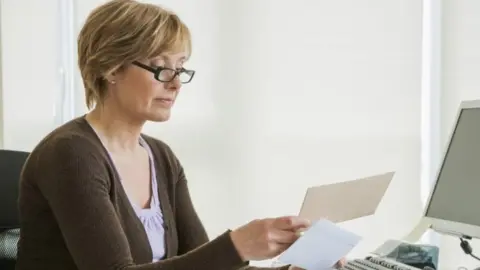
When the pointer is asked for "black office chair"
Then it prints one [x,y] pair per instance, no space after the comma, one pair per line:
[11,163]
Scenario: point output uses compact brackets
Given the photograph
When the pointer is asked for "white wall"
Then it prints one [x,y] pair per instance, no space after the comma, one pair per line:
[30,76]
[1,83]
[285,97]
[460,81]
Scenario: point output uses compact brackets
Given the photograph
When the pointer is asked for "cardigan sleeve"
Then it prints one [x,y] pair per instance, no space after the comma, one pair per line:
[76,185]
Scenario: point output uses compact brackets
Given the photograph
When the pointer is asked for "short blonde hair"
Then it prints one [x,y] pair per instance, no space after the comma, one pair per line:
[121,31]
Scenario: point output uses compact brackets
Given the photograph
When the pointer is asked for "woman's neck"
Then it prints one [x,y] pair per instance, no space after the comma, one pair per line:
[117,131]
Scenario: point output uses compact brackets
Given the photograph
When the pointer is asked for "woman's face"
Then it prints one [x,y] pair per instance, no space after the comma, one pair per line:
[137,92]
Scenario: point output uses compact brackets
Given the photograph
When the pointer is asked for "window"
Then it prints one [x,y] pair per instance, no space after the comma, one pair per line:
[431,91]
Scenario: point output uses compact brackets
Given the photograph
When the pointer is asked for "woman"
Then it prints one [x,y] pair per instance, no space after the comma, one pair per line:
[97,194]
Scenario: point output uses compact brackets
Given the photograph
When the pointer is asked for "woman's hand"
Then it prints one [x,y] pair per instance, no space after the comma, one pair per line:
[266,238]
[341,263]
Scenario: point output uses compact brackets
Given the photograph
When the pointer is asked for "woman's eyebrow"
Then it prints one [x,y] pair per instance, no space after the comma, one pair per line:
[168,60]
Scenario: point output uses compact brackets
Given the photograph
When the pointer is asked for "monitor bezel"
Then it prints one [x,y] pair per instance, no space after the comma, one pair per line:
[447,226]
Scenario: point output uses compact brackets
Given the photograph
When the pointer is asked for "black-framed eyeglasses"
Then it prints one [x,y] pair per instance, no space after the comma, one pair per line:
[164,74]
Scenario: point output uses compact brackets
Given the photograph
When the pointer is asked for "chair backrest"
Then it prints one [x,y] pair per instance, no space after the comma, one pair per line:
[11,164]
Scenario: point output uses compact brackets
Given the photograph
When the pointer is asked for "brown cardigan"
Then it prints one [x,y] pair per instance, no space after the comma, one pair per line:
[74,213]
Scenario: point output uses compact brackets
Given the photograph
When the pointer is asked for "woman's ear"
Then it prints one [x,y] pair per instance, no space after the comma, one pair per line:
[114,74]
[110,78]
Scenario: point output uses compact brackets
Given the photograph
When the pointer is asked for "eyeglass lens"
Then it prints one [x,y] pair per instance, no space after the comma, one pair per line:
[168,74]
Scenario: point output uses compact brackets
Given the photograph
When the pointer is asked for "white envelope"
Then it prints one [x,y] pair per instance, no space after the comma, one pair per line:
[320,247]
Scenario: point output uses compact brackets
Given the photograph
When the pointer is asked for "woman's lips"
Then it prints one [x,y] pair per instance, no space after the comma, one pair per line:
[165,101]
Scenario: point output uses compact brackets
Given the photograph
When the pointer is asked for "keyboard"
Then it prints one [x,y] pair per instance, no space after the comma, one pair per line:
[377,263]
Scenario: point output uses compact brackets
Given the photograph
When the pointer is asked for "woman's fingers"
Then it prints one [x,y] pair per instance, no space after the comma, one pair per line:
[291,223]
[341,263]
[282,236]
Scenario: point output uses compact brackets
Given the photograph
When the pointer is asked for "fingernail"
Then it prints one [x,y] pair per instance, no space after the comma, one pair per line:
[307,222]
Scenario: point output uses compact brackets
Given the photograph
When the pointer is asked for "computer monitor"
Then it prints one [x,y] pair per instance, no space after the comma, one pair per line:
[454,203]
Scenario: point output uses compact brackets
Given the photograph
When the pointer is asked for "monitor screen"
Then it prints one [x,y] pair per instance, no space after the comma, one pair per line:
[456,195]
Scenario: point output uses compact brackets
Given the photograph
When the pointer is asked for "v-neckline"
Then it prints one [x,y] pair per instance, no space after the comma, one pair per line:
[161,191]
[137,208]
[152,179]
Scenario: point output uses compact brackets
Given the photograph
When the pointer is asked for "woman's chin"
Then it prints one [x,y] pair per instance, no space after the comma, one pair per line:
[159,116]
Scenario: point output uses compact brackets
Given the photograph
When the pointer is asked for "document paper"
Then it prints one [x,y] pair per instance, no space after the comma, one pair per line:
[320,247]
[348,200]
